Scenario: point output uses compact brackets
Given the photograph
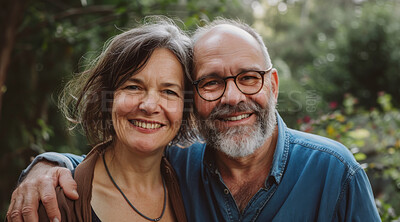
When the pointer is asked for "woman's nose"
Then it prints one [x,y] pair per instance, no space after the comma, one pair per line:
[150,104]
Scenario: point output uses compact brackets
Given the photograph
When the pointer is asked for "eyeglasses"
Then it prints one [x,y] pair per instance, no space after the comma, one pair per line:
[212,88]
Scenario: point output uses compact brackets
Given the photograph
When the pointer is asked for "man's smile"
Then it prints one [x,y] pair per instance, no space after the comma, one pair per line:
[237,117]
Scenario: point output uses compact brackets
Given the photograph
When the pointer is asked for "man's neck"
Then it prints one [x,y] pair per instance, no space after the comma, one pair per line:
[246,175]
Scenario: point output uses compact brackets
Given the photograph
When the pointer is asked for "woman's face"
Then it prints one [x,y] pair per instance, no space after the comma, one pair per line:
[147,108]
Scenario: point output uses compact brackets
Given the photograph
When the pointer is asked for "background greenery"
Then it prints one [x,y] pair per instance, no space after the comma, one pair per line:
[338,64]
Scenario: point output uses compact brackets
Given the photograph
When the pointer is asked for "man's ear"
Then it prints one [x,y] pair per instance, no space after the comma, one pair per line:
[274,83]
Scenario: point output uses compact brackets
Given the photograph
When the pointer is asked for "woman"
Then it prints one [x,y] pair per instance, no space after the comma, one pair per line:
[131,105]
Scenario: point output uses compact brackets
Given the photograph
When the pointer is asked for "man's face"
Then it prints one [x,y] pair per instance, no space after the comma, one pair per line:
[226,51]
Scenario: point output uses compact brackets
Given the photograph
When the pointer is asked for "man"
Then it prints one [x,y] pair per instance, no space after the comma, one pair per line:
[252,167]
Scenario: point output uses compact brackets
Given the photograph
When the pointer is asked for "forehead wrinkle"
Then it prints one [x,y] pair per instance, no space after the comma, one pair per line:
[161,79]
[212,47]
[214,60]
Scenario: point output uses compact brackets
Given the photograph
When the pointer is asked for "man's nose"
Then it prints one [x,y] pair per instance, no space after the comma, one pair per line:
[232,94]
[149,104]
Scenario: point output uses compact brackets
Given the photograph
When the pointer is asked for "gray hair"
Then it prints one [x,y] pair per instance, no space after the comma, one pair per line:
[158,32]
[83,101]
[201,31]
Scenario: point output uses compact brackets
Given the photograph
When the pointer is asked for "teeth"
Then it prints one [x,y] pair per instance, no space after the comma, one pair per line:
[235,118]
[146,125]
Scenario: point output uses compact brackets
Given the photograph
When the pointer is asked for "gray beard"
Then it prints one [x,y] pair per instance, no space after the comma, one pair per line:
[239,141]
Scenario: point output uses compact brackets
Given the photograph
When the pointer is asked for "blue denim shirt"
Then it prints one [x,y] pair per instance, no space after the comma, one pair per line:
[312,178]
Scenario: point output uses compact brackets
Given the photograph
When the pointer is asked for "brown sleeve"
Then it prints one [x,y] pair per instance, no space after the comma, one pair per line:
[65,205]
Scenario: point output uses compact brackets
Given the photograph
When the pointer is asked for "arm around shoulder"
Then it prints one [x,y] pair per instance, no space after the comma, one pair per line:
[67,160]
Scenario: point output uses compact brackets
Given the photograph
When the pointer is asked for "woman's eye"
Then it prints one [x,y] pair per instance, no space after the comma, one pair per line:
[170,92]
[133,87]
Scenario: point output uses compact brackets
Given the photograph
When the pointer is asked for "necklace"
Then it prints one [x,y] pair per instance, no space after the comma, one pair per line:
[130,204]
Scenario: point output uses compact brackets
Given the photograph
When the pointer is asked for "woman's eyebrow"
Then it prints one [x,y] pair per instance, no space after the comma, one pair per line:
[164,84]
[134,80]
[171,84]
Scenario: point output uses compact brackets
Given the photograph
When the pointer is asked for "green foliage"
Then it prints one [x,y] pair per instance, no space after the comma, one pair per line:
[373,137]
[361,56]
[334,48]
[334,59]
[57,39]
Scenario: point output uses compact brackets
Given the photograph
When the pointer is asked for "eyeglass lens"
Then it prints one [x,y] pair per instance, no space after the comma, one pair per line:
[212,88]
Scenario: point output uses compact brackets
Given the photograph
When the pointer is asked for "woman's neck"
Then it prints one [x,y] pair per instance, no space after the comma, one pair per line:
[133,169]
[138,177]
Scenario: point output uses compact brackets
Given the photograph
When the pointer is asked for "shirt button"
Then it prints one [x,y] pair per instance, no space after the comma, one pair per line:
[226,191]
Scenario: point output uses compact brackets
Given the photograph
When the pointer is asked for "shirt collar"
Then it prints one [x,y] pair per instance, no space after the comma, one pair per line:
[280,155]
[281,150]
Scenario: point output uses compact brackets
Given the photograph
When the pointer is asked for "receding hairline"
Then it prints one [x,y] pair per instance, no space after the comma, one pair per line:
[219,22]
[225,29]
[222,26]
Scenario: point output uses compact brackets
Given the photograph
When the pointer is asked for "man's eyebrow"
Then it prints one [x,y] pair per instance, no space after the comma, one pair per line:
[248,69]
[212,74]
[240,70]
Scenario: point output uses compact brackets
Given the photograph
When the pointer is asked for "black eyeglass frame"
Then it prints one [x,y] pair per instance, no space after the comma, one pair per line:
[262,73]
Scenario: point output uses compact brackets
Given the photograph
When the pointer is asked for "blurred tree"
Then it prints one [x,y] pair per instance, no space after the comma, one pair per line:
[44,43]
[365,58]
[333,48]
[11,15]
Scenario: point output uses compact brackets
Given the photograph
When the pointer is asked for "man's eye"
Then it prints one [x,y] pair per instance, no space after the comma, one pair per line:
[210,83]
[244,78]
[248,77]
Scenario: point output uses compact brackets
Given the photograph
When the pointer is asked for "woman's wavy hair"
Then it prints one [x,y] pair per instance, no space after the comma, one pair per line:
[87,99]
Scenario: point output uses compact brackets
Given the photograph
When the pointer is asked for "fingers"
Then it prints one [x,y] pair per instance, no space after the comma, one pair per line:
[40,184]
[30,206]
[67,183]
[14,213]
[48,196]
[10,208]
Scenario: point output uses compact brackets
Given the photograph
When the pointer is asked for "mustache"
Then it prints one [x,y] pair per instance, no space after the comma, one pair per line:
[226,109]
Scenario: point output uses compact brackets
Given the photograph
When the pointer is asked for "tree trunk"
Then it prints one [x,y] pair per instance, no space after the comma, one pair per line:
[12,16]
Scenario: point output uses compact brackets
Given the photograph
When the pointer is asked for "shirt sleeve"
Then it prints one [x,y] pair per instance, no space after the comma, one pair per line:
[67,160]
[357,202]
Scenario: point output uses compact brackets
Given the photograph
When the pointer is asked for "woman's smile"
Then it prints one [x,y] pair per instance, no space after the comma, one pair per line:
[147,108]
[146,124]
